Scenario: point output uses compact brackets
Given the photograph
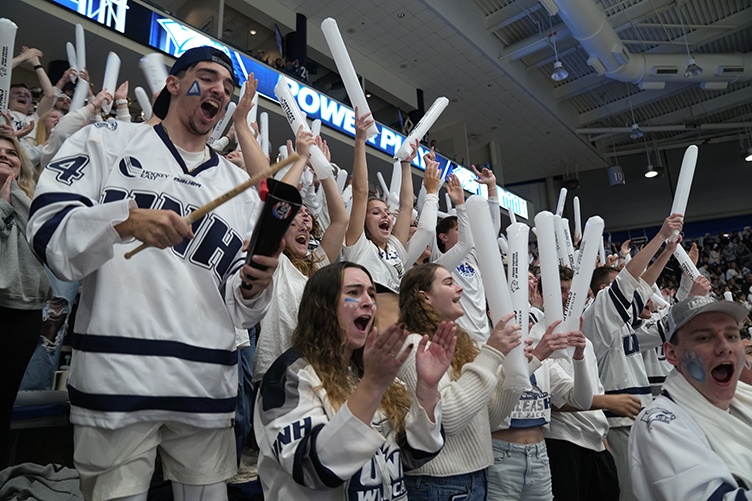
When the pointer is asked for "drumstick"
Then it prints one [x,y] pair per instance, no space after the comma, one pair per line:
[210,206]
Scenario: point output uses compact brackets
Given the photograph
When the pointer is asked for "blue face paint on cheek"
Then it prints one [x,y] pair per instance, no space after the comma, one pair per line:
[693,363]
[351,300]
[194,90]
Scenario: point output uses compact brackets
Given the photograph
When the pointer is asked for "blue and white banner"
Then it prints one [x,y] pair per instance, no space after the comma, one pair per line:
[174,38]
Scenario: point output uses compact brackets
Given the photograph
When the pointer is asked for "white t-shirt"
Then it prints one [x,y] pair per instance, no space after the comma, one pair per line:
[386,266]
[275,335]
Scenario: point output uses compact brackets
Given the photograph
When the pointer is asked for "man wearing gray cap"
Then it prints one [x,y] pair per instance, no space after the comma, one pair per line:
[695,440]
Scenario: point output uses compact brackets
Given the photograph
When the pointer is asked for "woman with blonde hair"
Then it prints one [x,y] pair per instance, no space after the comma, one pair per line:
[23,281]
[472,391]
[330,419]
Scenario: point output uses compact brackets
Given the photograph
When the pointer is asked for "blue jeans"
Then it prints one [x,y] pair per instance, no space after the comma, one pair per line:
[46,358]
[520,472]
[467,487]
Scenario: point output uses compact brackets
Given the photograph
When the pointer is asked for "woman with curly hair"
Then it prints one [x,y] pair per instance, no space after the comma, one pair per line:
[472,391]
[331,421]
[23,281]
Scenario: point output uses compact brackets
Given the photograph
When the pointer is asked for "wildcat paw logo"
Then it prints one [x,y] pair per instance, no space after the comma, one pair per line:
[281,210]
[657,415]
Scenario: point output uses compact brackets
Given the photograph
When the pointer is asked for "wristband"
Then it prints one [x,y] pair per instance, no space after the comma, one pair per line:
[38,66]
[118,102]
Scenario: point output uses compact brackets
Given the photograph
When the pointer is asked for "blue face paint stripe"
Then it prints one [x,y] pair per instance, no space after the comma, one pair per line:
[351,300]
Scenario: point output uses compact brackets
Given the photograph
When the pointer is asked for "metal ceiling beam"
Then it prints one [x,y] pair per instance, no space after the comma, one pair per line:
[510,14]
[620,21]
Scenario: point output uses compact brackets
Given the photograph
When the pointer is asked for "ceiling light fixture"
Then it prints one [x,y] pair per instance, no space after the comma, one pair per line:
[253,32]
[636,132]
[693,70]
[559,73]
[748,157]
[650,171]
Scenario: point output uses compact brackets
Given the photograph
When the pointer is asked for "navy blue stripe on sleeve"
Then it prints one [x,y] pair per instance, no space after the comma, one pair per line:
[152,347]
[305,452]
[413,458]
[614,294]
[43,236]
[724,489]
[132,403]
[55,197]
[634,390]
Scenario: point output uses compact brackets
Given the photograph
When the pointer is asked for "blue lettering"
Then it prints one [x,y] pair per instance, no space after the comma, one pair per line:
[145,199]
[113,195]
[631,344]
[217,246]
[292,431]
[69,169]
[294,86]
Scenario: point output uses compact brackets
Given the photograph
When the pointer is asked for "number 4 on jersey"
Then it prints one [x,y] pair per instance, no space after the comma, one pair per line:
[69,169]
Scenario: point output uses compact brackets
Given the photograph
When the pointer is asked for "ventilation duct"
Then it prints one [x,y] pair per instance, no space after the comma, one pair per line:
[608,56]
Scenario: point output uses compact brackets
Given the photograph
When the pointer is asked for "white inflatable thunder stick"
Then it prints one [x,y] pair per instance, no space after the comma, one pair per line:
[577,219]
[561,202]
[420,130]
[517,234]
[583,273]
[549,271]
[346,70]
[296,119]
[111,73]
[155,71]
[219,129]
[143,100]
[8,31]
[495,283]
[684,184]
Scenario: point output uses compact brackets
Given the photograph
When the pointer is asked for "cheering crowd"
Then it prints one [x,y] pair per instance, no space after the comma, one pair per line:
[360,353]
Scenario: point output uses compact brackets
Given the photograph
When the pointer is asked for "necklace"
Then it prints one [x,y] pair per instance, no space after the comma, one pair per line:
[189,155]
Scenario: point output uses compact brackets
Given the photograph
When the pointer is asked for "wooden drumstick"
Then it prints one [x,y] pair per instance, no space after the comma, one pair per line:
[210,206]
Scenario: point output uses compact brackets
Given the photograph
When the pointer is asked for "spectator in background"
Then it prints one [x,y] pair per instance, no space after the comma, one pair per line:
[23,281]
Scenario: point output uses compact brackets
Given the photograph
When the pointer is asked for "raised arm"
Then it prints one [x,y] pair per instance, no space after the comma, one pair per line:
[636,266]
[48,97]
[359,179]
[426,231]
[401,228]
[334,235]
[487,178]
[655,269]
[303,142]
[253,156]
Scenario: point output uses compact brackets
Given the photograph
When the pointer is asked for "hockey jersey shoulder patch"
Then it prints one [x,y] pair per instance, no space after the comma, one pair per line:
[657,414]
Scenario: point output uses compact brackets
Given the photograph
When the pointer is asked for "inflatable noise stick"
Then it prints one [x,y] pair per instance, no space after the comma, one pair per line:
[206,208]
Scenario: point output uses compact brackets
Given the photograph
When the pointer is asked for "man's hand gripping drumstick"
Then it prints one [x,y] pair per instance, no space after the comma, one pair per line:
[165,228]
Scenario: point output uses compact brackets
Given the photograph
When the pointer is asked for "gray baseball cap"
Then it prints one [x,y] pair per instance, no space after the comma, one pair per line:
[684,311]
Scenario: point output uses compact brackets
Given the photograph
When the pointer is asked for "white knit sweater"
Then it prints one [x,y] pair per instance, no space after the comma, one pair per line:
[467,404]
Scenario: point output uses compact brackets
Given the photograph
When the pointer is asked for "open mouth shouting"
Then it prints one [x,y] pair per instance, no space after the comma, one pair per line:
[723,373]
[210,109]
[362,323]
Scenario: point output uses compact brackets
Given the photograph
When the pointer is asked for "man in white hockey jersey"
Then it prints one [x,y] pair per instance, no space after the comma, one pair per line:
[154,367]
[695,440]
[609,323]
